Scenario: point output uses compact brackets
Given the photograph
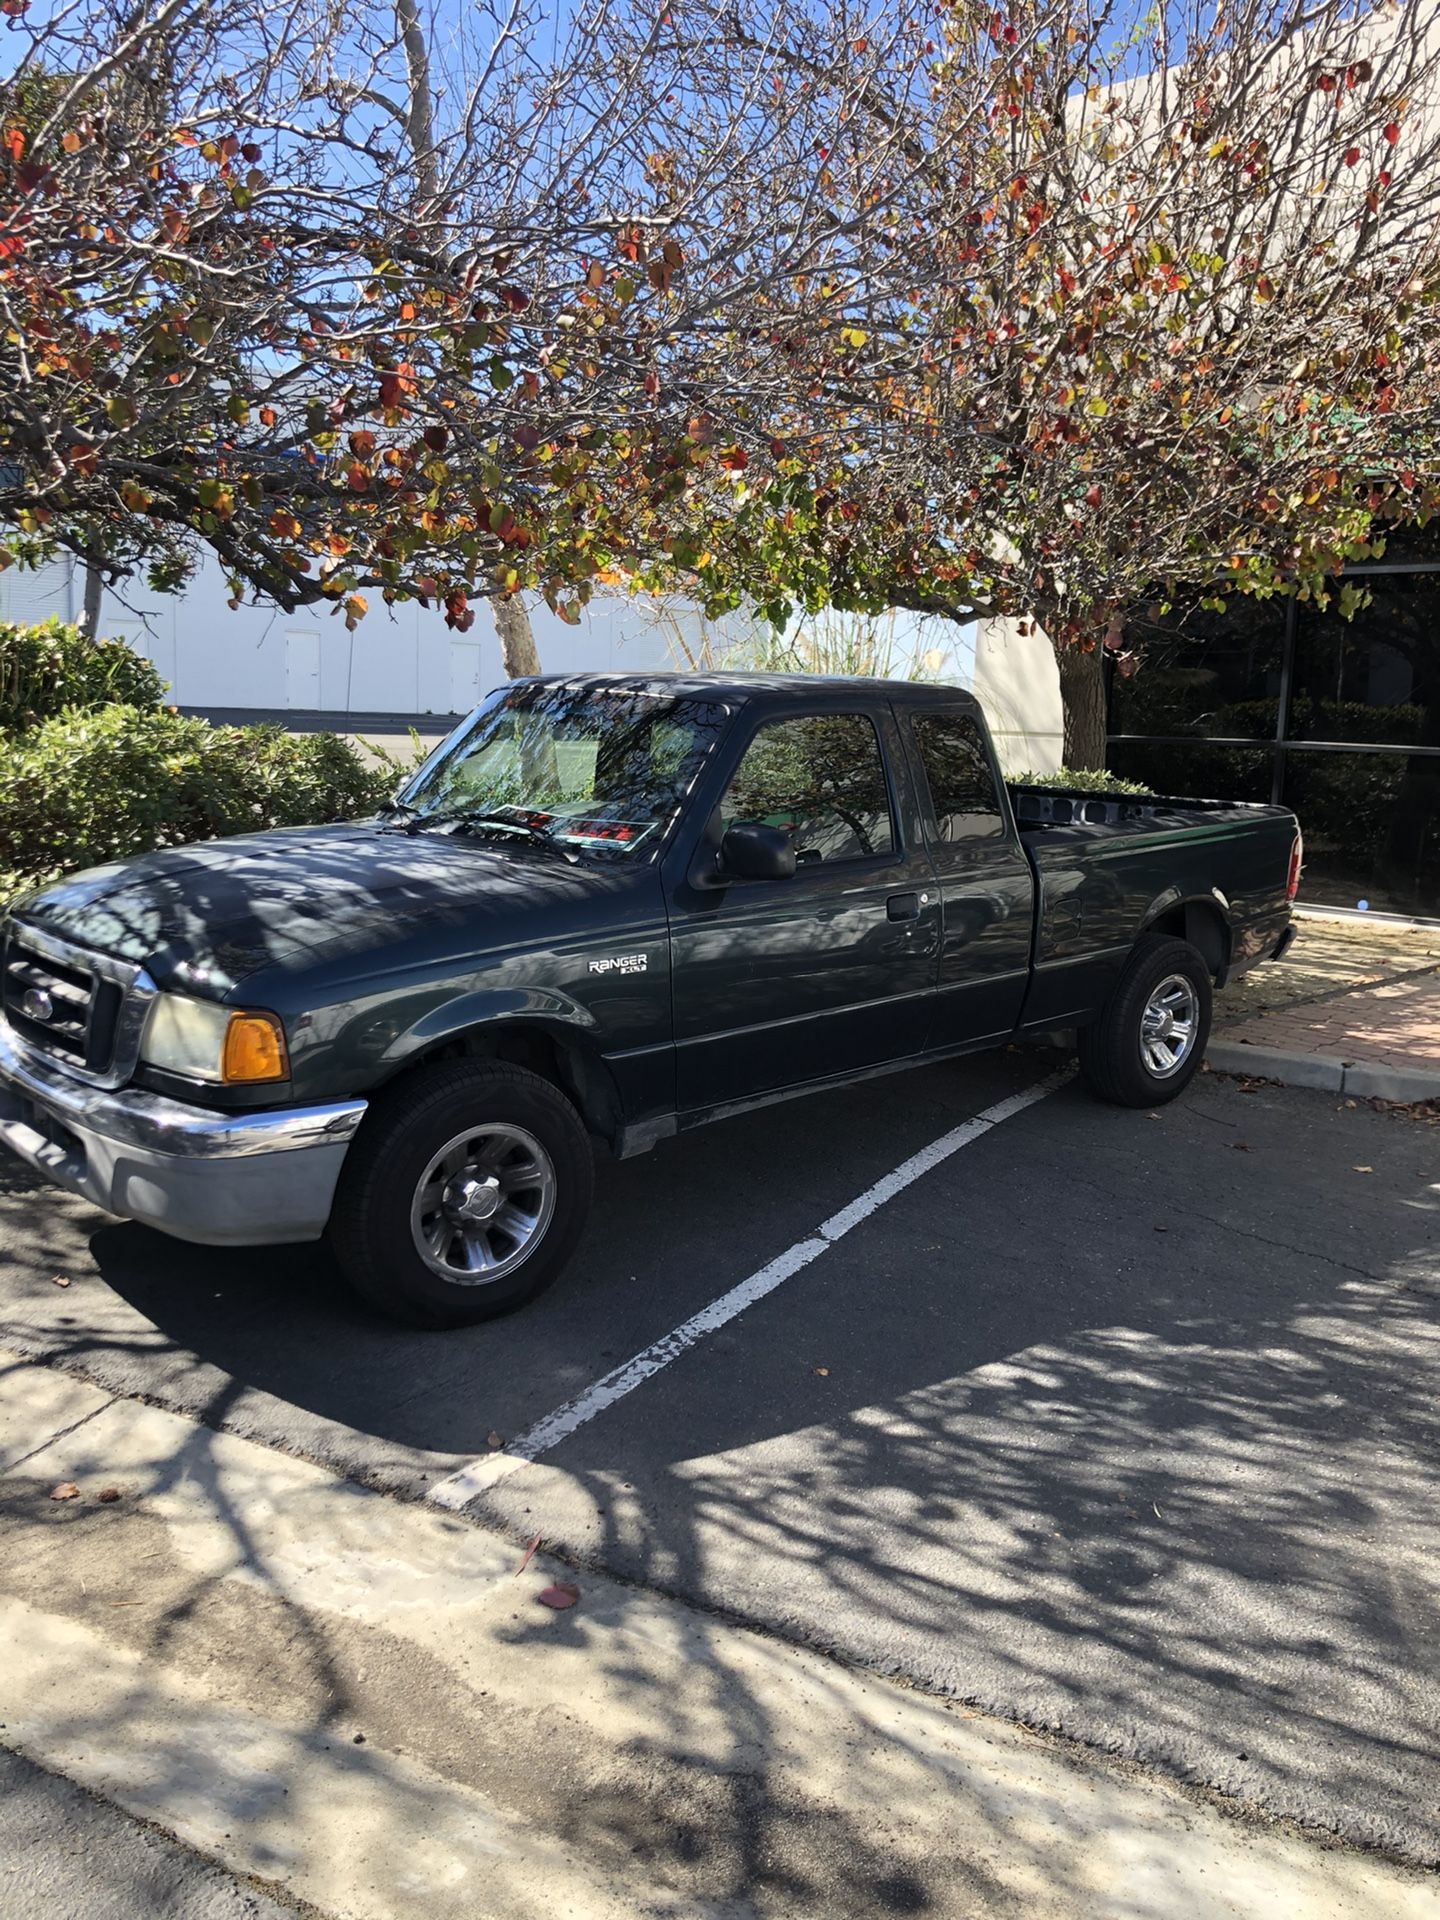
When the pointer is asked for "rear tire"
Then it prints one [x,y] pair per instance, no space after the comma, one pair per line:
[464,1195]
[1148,1043]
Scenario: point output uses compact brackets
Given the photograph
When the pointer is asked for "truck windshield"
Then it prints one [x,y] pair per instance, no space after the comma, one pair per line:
[592,770]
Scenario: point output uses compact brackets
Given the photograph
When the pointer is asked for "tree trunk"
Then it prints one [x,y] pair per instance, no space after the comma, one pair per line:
[518,656]
[1082,697]
[90,610]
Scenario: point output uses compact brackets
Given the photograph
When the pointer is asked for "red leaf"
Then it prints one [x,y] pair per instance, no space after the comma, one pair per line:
[1392,132]
[529,1551]
[562,1595]
[1092,496]
[1351,156]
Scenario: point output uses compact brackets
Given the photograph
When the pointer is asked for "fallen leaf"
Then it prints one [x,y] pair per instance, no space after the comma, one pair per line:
[1364,1169]
[1160,1229]
[494,1440]
[824,1372]
[562,1595]
[59,1279]
[107,1496]
[67,1490]
[529,1551]
[1241,1146]
[359,1740]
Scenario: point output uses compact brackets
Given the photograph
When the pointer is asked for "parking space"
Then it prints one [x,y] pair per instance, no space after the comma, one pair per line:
[272,1344]
[1118,1423]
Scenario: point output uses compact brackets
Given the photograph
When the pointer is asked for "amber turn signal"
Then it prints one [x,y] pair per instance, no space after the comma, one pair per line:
[254,1049]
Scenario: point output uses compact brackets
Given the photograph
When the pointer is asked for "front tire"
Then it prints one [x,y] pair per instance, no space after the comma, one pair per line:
[464,1195]
[1148,1043]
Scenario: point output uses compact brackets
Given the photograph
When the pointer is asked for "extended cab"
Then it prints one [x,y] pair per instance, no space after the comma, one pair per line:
[608,906]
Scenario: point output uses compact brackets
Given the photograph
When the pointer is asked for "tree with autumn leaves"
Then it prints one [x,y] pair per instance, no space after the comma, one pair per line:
[368,310]
[1040,310]
[1166,328]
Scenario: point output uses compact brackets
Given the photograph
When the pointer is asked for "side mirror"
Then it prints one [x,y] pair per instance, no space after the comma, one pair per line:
[750,851]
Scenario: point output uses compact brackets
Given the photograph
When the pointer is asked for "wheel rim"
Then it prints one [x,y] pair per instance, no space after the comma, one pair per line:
[1168,1025]
[482,1204]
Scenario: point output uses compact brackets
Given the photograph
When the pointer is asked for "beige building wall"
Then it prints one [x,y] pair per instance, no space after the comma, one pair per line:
[1016,681]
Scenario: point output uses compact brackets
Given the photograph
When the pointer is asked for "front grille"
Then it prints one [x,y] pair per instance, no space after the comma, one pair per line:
[71,1005]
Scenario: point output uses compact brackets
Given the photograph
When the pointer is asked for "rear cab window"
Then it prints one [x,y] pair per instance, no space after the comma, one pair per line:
[956,762]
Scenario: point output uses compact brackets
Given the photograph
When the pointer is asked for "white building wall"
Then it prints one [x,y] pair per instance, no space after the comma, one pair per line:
[405,660]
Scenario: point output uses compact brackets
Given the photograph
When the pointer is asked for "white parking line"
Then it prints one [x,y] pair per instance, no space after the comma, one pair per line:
[459,1488]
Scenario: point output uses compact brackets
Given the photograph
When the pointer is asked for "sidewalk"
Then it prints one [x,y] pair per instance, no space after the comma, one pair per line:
[1353,1008]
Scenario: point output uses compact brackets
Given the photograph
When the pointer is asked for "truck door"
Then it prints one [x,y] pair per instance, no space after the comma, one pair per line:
[777,982]
[986,884]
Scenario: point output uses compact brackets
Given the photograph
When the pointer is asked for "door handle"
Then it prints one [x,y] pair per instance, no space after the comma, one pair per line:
[903,906]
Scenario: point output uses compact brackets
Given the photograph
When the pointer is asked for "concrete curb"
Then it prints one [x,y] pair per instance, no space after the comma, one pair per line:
[1365,1080]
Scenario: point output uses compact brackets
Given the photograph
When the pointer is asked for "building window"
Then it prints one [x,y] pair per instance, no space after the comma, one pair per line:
[1375,677]
[1220,678]
[1344,717]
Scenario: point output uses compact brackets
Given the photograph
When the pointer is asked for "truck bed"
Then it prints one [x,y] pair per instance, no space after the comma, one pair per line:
[1040,810]
[1212,871]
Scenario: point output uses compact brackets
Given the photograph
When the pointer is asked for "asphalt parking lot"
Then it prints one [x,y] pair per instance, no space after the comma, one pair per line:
[1120,1424]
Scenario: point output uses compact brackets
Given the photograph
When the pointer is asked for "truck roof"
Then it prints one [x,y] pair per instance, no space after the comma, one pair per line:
[750,686]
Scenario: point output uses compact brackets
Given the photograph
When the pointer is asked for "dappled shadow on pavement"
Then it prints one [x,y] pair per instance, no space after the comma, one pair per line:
[1183,1505]
[1172,1493]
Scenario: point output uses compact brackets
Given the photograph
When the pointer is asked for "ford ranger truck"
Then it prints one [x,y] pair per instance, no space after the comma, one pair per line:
[607,908]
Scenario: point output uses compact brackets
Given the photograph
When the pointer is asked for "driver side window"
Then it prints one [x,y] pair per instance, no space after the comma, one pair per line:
[821,778]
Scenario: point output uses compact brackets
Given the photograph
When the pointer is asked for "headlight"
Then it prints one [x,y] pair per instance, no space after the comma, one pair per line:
[206,1042]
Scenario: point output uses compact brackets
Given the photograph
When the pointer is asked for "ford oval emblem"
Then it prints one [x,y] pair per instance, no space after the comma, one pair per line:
[37,1004]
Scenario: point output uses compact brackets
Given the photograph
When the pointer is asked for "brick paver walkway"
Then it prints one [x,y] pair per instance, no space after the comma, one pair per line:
[1354,1005]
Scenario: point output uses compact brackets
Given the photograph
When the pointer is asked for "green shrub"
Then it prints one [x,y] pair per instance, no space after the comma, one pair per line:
[48,668]
[83,788]
[1081,780]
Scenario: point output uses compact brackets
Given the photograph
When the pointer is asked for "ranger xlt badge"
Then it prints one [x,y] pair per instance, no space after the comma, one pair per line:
[621,963]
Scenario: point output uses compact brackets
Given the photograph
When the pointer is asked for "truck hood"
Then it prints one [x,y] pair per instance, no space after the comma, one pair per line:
[203,918]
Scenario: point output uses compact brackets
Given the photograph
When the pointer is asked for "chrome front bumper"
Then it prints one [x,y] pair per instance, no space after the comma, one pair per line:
[221,1179]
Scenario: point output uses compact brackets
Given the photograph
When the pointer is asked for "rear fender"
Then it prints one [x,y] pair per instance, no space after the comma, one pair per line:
[1202,919]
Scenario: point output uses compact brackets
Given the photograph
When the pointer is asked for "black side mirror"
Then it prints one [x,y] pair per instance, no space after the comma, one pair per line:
[750,851]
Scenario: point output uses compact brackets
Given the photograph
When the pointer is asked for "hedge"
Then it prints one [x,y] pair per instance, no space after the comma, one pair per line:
[1080,780]
[46,668]
[110,772]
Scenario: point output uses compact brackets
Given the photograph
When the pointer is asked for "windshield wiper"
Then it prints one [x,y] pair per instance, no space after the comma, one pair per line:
[488,817]
[397,806]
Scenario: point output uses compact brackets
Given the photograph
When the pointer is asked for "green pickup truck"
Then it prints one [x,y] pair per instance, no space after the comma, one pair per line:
[608,907]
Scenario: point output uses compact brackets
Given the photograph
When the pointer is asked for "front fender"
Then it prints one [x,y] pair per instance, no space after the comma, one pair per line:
[556,1012]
